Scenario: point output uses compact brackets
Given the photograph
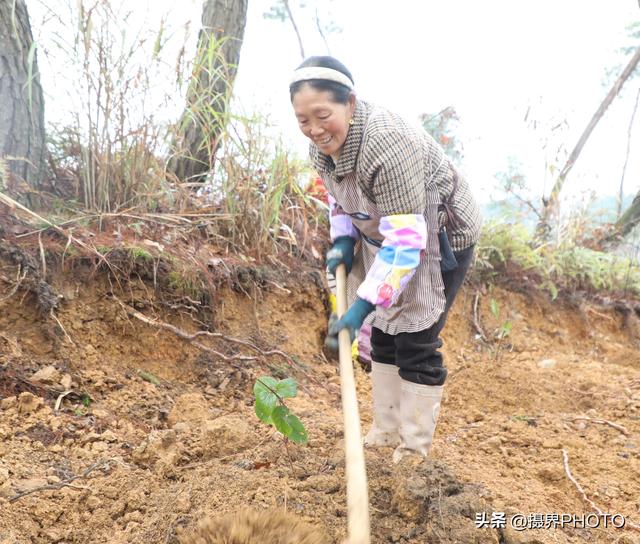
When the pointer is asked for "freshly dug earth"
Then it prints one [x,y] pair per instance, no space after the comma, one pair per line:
[156,434]
[248,525]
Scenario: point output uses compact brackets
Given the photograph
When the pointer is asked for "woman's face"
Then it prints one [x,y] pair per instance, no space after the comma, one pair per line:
[324,122]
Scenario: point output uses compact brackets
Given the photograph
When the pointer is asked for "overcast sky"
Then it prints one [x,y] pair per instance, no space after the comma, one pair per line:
[492,60]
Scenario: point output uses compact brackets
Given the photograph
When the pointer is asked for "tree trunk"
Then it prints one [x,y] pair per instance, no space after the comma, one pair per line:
[205,117]
[543,229]
[22,139]
[626,156]
[287,7]
[627,222]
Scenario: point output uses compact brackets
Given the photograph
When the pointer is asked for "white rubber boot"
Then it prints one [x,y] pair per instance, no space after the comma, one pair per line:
[419,408]
[385,383]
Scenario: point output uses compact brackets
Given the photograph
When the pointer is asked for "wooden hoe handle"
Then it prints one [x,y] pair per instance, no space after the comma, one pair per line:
[357,492]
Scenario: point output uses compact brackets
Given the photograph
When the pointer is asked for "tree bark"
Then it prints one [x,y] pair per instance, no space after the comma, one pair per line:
[215,66]
[22,136]
[544,228]
[627,222]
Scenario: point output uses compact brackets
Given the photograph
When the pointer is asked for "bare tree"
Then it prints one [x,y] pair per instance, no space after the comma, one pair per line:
[22,136]
[215,66]
[325,25]
[626,157]
[282,11]
[550,205]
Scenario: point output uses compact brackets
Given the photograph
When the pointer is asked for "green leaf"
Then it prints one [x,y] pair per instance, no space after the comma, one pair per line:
[495,309]
[287,388]
[264,389]
[289,425]
[280,421]
[263,411]
[298,432]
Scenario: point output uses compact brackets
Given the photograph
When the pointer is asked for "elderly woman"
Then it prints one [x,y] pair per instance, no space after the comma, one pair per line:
[405,225]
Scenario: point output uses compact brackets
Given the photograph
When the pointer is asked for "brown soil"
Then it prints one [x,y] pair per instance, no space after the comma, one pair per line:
[163,434]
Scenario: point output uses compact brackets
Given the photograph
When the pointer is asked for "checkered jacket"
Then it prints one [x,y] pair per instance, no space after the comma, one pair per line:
[396,165]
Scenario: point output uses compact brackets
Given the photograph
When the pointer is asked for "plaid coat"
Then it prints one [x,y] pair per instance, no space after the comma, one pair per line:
[389,168]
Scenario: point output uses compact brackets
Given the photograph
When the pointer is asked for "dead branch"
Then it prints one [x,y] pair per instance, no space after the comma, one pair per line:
[182,334]
[64,483]
[43,258]
[295,27]
[55,318]
[191,338]
[616,426]
[600,314]
[476,317]
[16,286]
[593,505]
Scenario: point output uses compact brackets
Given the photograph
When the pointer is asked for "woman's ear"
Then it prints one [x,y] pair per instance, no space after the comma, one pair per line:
[352,103]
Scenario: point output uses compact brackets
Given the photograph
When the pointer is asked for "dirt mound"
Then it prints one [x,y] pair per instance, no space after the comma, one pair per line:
[249,527]
[126,415]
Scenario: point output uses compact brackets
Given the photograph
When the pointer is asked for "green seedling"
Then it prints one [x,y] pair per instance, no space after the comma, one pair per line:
[503,330]
[270,408]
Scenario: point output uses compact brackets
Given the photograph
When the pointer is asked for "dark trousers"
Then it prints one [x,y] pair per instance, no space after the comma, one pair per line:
[416,353]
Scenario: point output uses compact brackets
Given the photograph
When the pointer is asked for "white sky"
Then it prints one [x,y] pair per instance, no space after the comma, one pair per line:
[491,60]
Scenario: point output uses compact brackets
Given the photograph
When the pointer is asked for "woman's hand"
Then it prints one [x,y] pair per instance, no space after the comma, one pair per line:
[341,252]
[352,320]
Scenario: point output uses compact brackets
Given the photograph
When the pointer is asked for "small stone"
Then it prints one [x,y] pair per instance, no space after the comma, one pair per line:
[28,403]
[547,363]
[245,464]
[183,503]
[54,535]
[181,427]
[93,502]
[6,490]
[492,443]
[66,382]
[551,474]
[99,446]
[99,413]
[8,403]
[49,375]
[90,437]
[189,408]
[135,516]
[551,445]
[4,475]
[52,479]
[109,436]
[474,417]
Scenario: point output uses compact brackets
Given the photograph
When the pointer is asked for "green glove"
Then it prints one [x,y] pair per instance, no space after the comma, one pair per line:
[351,320]
[341,252]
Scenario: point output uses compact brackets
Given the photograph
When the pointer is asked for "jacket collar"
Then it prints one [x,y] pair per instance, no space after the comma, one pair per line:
[350,149]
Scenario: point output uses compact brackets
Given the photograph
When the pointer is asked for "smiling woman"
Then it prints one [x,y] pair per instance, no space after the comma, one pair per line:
[405,225]
[324,103]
